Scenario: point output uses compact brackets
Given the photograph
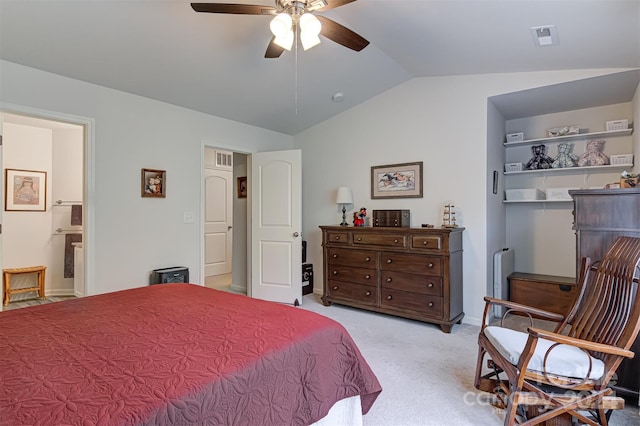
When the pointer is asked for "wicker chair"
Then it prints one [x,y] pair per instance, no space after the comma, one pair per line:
[549,377]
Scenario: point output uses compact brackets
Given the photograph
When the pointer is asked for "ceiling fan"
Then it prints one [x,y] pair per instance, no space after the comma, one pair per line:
[291,15]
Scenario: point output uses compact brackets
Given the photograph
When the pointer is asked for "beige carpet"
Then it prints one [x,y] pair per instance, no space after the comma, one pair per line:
[426,375]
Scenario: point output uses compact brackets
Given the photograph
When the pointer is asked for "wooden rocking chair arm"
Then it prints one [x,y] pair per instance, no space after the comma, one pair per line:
[583,344]
[518,307]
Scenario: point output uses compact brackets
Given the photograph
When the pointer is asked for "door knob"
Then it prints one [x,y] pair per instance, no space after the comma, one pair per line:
[229,228]
[296,234]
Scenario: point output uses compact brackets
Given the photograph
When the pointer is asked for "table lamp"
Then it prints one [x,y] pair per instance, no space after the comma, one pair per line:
[344,197]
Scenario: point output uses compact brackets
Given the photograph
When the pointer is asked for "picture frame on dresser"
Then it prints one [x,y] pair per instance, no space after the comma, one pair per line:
[403,180]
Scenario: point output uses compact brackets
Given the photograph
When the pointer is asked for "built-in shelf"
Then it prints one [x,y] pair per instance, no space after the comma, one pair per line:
[584,169]
[566,138]
[536,201]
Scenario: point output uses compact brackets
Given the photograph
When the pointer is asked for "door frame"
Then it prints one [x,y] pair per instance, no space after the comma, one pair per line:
[88,124]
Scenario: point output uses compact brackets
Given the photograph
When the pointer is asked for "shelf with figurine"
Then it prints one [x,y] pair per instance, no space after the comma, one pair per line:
[566,160]
[571,137]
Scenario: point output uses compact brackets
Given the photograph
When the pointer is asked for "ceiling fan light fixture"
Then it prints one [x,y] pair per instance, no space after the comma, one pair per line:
[281,25]
[285,41]
[310,28]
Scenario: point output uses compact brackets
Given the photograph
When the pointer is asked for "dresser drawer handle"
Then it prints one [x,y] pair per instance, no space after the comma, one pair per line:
[335,287]
[359,238]
[389,260]
[430,304]
[424,243]
[564,287]
[367,277]
[335,256]
[430,265]
[368,293]
[395,241]
[367,259]
[335,272]
[430,285]
[389,297]
[389,280]
[338,238]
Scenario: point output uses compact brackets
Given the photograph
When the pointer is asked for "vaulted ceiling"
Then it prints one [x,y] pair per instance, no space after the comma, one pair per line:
[215,63]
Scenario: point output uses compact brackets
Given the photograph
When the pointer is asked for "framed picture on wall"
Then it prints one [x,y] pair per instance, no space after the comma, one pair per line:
[242,187]
[397,181]
[154,183]
[25,190]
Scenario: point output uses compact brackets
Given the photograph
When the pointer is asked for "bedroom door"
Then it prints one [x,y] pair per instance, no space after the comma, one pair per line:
[275,193]
[218,221]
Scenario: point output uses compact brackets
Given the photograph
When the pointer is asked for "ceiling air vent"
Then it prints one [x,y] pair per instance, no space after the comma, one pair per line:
[545,35]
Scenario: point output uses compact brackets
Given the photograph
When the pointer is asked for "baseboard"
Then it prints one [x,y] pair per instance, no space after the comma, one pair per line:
[60,292]
[238,288]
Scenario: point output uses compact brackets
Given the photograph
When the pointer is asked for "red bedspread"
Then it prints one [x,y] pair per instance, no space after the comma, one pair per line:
[175,354]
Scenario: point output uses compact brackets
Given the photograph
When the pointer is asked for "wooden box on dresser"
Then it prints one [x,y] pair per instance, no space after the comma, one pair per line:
[408,272]
[600,217]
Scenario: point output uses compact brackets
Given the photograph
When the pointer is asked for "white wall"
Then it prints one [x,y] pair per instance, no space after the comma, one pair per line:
[636,134]
[134,235]
[441,121]
[27,238]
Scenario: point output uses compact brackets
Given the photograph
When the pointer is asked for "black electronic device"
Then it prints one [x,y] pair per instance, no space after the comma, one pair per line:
[307,278]
[304,251]
[176,274]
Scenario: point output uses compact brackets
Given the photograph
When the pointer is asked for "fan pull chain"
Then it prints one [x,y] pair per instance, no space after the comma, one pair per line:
[296,72]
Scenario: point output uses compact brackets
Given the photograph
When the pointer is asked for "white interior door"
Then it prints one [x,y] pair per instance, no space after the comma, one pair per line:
[275,193]
[1,207]
[218,221]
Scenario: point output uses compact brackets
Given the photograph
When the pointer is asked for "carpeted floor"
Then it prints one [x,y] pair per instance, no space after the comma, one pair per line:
[426,375]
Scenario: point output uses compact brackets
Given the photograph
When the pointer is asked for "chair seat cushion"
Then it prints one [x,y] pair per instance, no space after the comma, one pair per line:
[563,360]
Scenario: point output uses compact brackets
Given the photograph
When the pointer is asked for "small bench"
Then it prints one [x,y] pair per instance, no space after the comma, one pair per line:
[6,280]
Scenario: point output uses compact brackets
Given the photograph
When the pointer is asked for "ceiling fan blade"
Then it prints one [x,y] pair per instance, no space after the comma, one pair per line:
[238,9]
[341,34]
[273,50]
[332,4]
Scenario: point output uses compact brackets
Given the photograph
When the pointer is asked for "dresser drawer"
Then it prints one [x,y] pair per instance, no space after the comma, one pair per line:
[336,237]
[352,274]
[425,304]
[425,284]
[426,242]
[366,294]
[416,264]
[385,240]
[357,258]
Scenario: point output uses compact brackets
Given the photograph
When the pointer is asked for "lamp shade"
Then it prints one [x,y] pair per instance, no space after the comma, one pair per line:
[344,195]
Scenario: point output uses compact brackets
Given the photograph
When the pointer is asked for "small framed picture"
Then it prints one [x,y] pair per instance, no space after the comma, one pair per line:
[154,183]
[25,190]
[242,187]
[397,181]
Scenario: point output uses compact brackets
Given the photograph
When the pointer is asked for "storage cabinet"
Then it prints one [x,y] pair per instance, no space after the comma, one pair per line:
[600,217]
[549,292]
[408,272]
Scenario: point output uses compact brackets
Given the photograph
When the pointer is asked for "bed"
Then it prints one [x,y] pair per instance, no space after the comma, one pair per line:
[176,354]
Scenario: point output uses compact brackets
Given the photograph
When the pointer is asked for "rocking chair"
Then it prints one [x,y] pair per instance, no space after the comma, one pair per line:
[541,375]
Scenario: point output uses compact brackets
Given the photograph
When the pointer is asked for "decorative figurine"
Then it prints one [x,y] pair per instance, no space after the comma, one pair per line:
[565,157]
[540,159]
[358,217]
[594,155]
[449,216]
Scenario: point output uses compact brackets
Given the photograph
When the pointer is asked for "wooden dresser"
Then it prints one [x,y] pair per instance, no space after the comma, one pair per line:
[408,272]
[600,217]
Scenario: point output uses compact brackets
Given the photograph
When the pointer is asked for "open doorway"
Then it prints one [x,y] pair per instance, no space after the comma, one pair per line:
[225,220]
[46,229]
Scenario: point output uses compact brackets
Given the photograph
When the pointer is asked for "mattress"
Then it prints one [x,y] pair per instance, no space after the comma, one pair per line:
[176,354]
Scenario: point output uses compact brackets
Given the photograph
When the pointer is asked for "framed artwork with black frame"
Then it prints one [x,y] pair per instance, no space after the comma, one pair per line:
[242,187]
